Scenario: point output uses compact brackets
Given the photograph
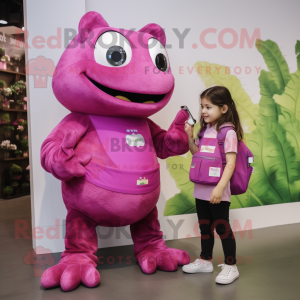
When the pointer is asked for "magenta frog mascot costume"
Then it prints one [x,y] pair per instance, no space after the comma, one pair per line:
[105,151]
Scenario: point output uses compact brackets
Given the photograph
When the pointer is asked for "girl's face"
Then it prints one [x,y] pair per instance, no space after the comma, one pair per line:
[210,112]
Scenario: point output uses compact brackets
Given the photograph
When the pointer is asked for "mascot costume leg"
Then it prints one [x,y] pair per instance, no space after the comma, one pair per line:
[105,151]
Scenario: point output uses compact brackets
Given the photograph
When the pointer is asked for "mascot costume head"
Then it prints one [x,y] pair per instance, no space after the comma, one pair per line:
[105,151]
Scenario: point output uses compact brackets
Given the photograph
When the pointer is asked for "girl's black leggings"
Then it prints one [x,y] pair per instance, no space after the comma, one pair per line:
[215,216]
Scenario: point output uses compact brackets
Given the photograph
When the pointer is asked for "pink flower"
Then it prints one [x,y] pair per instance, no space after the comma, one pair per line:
[25,82]
[21,120]
[25,99]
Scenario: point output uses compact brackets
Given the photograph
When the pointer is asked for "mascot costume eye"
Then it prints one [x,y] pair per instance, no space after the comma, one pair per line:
[105,151]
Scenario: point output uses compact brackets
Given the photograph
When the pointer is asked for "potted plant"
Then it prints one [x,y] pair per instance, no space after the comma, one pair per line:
[4,59]
[22,103]
[11,104]
[17,89]
[7,191]
[23,122]
[19,104]
[6,92]
[25,188]
[24,147]
[18,153]
[16,188]
[4,118]
[15,62]
[5,147]
[15,168]
[2,52]
[22,127]
[15,172]
[7,131]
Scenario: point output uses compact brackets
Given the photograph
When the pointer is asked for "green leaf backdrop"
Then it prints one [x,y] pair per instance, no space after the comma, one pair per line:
[272,133]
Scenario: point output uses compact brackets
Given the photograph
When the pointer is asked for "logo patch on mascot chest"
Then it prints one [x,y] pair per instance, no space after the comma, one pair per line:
[135,140]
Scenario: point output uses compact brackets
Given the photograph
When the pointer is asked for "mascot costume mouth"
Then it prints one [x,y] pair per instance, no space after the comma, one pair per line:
[105,151]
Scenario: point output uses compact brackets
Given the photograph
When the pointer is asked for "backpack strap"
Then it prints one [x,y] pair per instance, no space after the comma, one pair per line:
[201,133]
[221,140]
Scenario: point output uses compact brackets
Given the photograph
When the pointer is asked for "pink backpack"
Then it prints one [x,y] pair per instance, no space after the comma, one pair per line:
[210,160]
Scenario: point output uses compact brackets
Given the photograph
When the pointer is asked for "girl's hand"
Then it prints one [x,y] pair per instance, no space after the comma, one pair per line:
[216,195]
[189,129]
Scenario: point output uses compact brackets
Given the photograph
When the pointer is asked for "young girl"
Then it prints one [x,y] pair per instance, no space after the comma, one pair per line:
[212,202]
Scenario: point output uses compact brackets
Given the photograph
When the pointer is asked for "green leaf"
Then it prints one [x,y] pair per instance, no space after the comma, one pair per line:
[216,74]
[181,203]
[275,62]
[295,191]
[291,126]
[281,154]
[239,201]
[179,169]
[267,107]
[260,184]
[297,51]
[235,203]
[289,101]
[248,199]
[277,160]
[292,130]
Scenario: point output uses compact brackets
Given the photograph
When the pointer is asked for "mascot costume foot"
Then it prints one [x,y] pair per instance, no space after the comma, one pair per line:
[105,151]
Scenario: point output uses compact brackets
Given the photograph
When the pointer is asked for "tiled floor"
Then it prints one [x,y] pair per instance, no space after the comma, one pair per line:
[269,267]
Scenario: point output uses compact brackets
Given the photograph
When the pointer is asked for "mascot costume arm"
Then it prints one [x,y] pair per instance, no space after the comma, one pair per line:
[57,152]
[172,142]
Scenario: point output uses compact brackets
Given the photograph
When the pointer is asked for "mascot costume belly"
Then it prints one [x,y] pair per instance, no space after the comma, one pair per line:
[105,151]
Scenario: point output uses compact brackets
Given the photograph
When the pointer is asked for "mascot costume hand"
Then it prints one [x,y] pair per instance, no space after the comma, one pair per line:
[105,151]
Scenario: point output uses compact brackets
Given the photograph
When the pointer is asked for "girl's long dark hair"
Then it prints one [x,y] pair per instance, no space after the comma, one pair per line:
[220,95]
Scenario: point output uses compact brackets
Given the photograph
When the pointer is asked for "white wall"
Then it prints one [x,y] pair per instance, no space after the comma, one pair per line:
[44,17]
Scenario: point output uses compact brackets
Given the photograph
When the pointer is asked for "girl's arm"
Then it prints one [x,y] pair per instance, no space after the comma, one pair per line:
[230,147]
[189,131]
[193,147]
[217,193]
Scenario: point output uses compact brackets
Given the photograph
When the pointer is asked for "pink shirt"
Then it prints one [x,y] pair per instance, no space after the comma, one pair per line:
[201,191]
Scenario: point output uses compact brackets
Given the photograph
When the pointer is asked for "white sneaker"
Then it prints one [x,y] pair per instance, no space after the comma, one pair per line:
[199,265]
[228,274]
